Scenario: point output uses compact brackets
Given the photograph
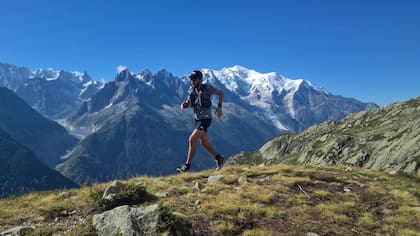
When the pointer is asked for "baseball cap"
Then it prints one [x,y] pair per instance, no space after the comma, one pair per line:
[196,74]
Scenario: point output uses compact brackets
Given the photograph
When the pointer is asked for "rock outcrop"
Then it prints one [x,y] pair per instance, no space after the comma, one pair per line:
[385,139]
[126,220]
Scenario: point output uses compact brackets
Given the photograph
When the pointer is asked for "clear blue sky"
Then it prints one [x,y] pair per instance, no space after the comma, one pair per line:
[366,49]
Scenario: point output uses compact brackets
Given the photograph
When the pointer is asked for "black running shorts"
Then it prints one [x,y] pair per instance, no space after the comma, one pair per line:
[202,124]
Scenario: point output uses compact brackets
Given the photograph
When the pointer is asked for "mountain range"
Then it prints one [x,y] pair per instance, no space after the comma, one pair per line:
[54,94]
[133,125]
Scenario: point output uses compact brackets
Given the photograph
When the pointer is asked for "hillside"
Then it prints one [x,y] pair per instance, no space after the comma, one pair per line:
[46,138]
[386,139]
[21,172]
[240,200]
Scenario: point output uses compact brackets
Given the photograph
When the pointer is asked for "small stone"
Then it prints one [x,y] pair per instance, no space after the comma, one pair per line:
[349,169]
[141,184]
[20,230]
[72,212]
[64,195]
[198,186]
[266,179]
[392,172]
[215,178]
[416,208]
[112,190]
[347,190]
[387,211]
[180,215]
[242,180]
[162,194]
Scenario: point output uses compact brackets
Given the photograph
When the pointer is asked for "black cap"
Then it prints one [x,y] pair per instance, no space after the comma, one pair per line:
[196,75]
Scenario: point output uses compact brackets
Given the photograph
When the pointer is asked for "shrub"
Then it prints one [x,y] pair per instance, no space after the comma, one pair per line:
[130,195]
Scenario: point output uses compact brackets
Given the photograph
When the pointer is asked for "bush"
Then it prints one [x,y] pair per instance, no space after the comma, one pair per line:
[130,195]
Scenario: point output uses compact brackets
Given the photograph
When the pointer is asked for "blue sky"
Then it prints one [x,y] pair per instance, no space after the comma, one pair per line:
[365,49]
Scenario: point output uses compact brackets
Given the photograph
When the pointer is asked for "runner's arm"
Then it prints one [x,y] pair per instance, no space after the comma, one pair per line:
[221,97]
[219,106]
[185,104]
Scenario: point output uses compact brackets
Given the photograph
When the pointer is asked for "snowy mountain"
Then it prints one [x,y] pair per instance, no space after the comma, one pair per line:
[290,105]
[54,94]
[12,77]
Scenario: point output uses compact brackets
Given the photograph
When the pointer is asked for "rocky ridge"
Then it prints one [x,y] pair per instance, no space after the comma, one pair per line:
[386,139]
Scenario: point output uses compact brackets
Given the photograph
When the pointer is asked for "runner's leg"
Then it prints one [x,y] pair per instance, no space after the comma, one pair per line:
[195,136]
[204,139]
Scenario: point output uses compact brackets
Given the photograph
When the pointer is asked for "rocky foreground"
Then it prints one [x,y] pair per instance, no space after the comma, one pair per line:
[241,200]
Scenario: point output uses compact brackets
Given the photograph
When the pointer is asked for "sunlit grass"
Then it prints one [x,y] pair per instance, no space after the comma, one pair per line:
[273,198]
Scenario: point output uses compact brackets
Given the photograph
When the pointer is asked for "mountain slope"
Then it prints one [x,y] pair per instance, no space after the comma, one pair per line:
[21,172]
[385,138]
[46,138]
[246,200]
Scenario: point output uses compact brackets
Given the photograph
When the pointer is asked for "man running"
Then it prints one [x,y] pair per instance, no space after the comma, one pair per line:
[200,101]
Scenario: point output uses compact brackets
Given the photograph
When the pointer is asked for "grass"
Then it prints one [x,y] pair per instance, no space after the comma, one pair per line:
[276,200]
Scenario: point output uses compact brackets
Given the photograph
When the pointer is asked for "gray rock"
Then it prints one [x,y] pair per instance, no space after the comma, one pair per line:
[242,180]
[112,190]
[215,178]
[17,231]
[198,186]
[311,234]
[392,172]
[64,195]
[128,221]
[162,194]
[179,215]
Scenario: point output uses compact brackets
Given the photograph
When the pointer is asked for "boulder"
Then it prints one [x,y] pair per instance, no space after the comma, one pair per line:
[128,221]
[17,231]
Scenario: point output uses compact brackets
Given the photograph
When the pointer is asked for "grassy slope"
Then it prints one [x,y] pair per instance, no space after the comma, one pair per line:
[276,200]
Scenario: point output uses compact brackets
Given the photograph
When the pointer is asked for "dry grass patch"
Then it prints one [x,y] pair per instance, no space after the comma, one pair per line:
[259,232]
[405,217]
[334,212]
[367,220]
[277,200]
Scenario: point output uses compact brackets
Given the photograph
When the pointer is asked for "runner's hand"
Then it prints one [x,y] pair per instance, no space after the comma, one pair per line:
[218,112]
[184,105]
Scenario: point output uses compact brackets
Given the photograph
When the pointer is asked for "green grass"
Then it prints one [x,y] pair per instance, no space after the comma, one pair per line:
[276,200]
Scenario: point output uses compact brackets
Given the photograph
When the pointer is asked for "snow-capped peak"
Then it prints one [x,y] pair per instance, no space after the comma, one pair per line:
[260,89]
[121,68]
[246,82]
